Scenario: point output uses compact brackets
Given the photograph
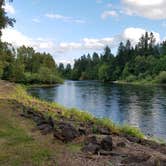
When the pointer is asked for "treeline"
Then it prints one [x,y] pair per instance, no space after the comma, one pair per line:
[24,65]
[145,61]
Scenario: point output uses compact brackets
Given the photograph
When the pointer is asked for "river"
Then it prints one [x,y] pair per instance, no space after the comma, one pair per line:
[140,106]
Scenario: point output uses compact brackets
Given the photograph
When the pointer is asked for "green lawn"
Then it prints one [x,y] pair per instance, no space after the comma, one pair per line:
[17,145]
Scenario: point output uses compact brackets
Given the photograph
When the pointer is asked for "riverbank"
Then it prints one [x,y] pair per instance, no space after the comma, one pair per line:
[90,140]
[141,82]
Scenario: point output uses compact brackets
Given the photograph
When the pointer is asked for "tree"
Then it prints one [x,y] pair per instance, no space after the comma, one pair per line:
[106,57]
[103,72]
[4,19]
[61,69]
[68,71]
[25,55]
[146,45]
[17,74]
[163,48]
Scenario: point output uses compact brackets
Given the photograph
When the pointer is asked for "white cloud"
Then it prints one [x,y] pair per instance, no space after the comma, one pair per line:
[64,18]
[69,46]
[90,43]
[36,20]
[15,37]
[18,39]
[133,34]
[152,9]
[9,8]
[94,44]
[110,13]
[86,44]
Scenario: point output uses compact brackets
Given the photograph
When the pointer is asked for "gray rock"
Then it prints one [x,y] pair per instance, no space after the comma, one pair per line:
[121,144]
[66,132]
[106,143]
[91,148]
[43,126]
[104,131]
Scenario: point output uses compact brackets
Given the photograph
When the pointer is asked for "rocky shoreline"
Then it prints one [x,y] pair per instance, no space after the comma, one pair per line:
[101,142]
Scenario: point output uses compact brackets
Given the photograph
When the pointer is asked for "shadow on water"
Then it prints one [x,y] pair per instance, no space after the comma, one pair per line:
[141,106]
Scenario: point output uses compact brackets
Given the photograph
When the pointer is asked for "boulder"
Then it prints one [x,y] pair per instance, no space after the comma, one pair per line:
[95,145]
[103,131]
[91,139]
[43,126]
[66,132]
[46,130]
[133,139]
[91,148]
[106,143]
[82,131]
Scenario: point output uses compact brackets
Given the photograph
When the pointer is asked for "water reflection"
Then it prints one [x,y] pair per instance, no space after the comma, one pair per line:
[141,106]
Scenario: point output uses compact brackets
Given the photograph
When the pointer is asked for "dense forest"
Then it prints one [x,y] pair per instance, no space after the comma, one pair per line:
[146,62]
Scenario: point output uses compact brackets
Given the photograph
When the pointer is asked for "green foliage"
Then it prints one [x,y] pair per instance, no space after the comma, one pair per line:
[131,131]
[161,78]
[103,72]
[126,71]
[131,78]
[132,64]
[4,19]
[46,76]
[27,66]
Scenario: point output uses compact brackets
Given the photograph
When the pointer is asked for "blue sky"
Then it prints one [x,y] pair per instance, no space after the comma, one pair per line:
[69,28]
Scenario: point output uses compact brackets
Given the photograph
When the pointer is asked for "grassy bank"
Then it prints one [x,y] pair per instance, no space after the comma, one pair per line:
[146,80]
[52,109]
[17,145]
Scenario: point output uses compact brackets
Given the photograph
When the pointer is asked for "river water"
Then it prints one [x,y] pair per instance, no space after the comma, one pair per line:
[140,106]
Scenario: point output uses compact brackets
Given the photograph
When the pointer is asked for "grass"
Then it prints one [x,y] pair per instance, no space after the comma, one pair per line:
[17,146]
[158,140]
[133,131]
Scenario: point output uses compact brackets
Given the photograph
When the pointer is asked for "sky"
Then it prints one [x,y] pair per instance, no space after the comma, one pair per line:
[70,28]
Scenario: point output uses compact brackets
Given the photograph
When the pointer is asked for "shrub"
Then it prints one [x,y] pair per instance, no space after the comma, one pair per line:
[131,78]
[133,131]
[161,78]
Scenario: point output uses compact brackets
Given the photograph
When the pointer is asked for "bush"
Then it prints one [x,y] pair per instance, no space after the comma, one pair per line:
[133,131]
[38,78]
[148,78]
[103,72]
[161,78]
[131,78]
